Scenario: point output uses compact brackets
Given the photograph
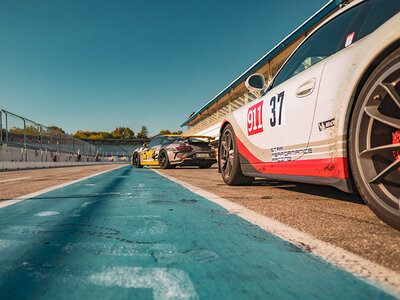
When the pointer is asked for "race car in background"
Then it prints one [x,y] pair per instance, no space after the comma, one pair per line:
[331,115]
[169,151]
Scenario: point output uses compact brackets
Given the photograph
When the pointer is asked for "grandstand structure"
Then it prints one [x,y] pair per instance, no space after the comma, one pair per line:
[207,120]
[116,147]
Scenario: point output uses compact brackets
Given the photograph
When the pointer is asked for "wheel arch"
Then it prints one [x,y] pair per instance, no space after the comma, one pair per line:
[223,125]
[356,92]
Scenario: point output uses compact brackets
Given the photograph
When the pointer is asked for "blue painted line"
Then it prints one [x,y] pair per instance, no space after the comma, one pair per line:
[131,233]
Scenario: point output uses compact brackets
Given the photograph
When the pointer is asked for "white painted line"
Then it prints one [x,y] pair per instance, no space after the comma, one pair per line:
[47,213]
[22,198]
[372,273]
[166,283]
[14,179]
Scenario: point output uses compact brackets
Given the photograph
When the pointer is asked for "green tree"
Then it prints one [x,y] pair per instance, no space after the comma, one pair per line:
[29,130]
[15,129]
[162,132]
[80,134]
[123,133]
[57,128]
[143,134]
[179,132]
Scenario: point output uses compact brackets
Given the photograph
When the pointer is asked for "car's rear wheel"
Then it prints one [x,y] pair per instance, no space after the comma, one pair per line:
[163,160]
[229,159]
[136,161]
[374,141]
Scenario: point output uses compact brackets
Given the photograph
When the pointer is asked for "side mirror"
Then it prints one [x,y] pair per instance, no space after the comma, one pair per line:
[145,145]
[256,84]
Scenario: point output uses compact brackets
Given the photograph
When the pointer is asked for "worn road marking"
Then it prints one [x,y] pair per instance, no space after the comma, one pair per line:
[14,179]
[22,198]
[165,283]
[365,269]
[47,213]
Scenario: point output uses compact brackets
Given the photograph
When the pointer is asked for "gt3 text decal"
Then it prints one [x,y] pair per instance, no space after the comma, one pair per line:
[326,124]
[276,109]
[254,119]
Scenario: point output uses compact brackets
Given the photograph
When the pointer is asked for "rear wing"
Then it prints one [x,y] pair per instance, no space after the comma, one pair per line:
[198,136]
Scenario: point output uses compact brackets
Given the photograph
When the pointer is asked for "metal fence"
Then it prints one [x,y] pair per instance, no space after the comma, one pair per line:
[20,132]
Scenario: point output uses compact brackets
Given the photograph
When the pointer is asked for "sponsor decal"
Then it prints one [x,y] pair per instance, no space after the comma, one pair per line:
[349,39]
[279,154]
[326,124]
[254,119]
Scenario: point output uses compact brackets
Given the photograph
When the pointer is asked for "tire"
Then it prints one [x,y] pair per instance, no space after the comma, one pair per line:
[228,159]
[374,151]
[205,166]
[163,160]
[136,161]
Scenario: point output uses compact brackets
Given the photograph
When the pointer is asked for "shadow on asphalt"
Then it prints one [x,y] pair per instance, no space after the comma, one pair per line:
[310,189]
[316,190]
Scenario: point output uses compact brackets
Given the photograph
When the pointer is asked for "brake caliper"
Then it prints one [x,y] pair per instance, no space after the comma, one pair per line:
[396,140]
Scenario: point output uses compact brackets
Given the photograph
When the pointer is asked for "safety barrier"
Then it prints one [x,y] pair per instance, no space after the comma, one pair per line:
[23,140]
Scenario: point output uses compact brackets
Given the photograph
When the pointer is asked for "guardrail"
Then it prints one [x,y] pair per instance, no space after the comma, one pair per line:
[21,132]
[23,140]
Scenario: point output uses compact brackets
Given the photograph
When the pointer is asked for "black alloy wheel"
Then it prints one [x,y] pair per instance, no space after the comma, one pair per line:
[136,160]
[374,141]
[163,160]
[228,159]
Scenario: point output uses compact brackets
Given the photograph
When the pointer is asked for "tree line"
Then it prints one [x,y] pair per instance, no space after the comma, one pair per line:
[121,133]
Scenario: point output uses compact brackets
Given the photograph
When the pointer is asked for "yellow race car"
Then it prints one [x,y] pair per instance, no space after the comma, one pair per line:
[169,151]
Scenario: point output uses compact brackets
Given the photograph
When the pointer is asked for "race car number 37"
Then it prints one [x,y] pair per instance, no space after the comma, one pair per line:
[254,119]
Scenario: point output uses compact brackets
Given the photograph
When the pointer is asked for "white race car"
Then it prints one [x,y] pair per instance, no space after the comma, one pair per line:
[331,115]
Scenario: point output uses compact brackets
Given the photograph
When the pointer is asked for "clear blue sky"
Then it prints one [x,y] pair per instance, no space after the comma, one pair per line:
[99,64]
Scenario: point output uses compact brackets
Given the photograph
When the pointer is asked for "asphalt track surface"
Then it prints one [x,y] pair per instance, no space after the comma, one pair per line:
[18,183]
[131,233]
[335,217]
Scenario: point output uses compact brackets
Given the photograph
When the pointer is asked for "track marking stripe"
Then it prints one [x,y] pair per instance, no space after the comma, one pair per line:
[14,179]
[25,197]
[372,273]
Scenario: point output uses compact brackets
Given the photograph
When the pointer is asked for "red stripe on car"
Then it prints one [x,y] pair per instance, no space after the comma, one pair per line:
[336,167]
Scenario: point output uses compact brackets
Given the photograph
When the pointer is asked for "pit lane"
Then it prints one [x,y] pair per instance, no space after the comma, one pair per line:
[326,213]
[133,232]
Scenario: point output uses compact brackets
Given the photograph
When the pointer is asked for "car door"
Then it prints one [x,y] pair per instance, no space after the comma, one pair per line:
[149,150]
[280,122]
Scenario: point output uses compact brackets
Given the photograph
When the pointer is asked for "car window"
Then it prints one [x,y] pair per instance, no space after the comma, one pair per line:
[154,142]
[323,43]
[379,11]
[168,140]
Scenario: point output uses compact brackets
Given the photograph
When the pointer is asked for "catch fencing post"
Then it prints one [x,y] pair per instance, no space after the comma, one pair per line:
[6,127]
[26,153]
[24,132]
[39,136]
[1,126]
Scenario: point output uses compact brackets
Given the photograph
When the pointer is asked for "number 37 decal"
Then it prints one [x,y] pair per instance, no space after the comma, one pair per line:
[255,115]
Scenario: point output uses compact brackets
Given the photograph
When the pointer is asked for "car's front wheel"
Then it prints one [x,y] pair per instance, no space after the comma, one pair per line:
[136,160]
[228,159]
[374,141]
